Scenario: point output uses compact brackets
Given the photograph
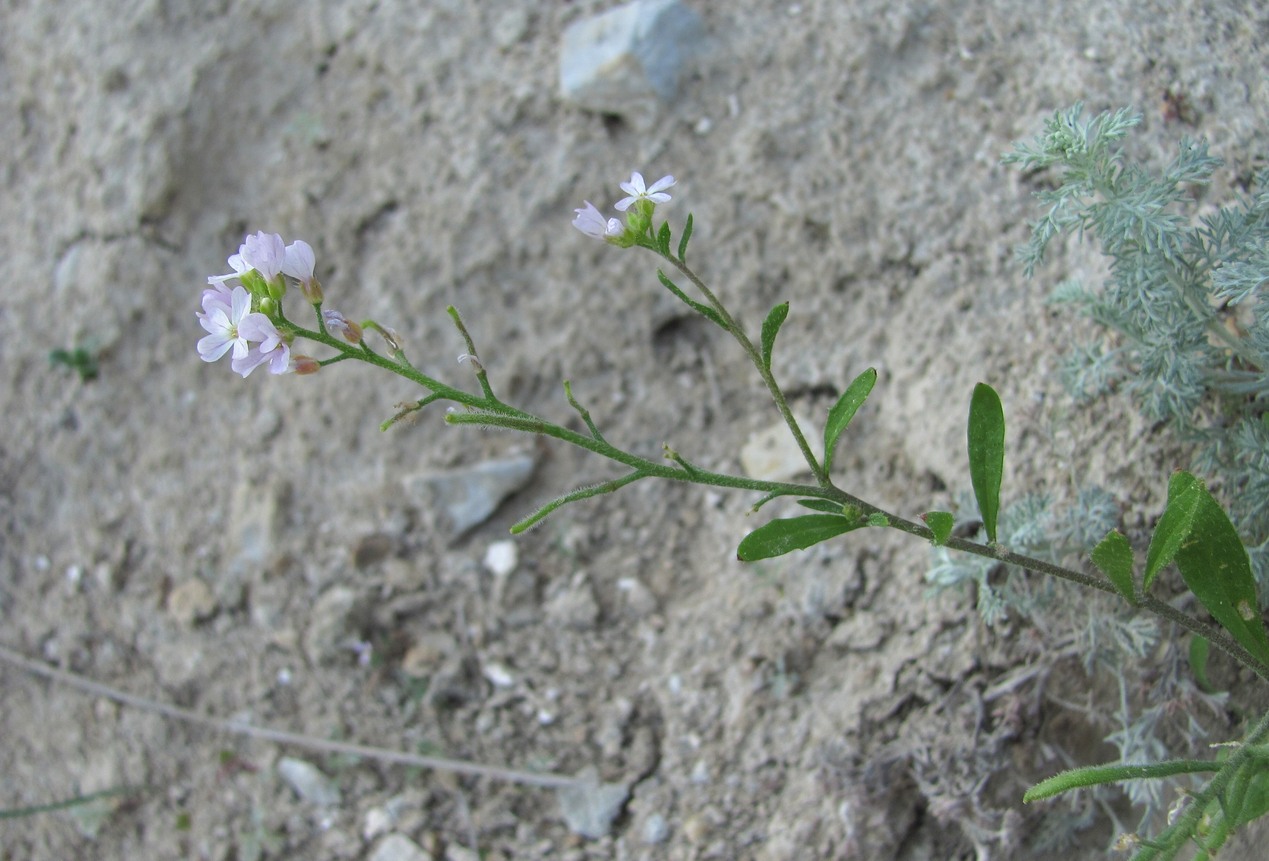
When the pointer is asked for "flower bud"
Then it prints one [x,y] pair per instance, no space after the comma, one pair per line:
[305,365]
[254,282]
[269,307]
[637,222]
[312,291]
[276,288]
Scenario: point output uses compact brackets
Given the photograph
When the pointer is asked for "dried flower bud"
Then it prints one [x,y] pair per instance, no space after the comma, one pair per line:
[305,365]
[312,291]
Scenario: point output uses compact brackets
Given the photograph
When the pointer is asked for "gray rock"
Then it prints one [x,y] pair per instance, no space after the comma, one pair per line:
[460,499]
[328,624]
[308,782]
[590,808]
[628,59]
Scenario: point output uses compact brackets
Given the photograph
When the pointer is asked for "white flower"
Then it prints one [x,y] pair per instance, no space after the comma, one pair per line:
[232,325]
[637,191]
[223,313]
[298,260]
[271,349]
[591,221]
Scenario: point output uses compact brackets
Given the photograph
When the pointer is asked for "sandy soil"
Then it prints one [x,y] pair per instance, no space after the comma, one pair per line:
[217,543]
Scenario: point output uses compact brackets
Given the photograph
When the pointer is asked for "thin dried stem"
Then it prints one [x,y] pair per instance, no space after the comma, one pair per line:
[455,766]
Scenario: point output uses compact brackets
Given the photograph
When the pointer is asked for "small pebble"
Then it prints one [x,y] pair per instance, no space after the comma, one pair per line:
[590,808]
[398,847]
[191,601]
[655,829]
[308,782]
[501,558]
[497,675]
[695,828]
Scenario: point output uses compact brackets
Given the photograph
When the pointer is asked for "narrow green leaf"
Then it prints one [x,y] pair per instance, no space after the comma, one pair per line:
[940,523]
[1215,565]
[794,533]
[704,310]
[1174,526]
[1095,775]
[1199,649]
[844,410]
[1113,557]
[986,437]
[770,328]
[821,505]
[687,234]
[663,239]
[1255,800]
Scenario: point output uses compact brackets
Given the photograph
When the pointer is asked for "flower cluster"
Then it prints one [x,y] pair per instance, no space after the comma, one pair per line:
[639,203]
[237,315]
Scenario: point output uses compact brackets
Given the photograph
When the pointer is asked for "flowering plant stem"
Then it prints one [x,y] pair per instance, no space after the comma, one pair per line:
[1194,532]
[488,410]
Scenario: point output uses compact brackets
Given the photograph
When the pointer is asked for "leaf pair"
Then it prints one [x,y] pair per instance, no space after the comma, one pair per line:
[847,405]
[1195,532]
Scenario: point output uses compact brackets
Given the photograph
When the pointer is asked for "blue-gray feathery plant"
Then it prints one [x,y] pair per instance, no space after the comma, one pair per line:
[1185,298]
[243,315]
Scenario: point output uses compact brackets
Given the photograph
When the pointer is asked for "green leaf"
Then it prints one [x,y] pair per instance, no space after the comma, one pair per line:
[1173,527]
[1113,557]
[844,410]
[1199,649]
[704,310]
[770,328]
[821,505]
[794,533]
[663,239]
[940,523]
[987,453]
[687,234]
[1255,799]
[1196,533]
[1094,775]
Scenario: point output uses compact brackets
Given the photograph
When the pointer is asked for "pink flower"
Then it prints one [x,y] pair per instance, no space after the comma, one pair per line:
[265,253]
[591,221]
[637,191]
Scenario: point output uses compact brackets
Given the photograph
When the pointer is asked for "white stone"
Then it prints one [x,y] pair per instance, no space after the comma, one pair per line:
[498,675]
[501,558]
[378,822]
[398,847]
